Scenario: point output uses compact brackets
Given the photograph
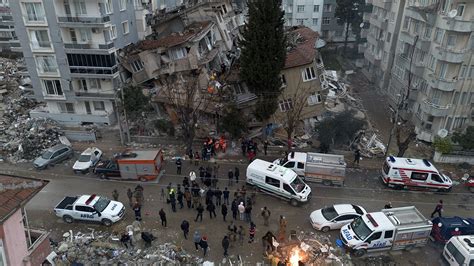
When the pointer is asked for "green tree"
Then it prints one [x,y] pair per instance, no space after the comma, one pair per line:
[264,53]
[135,102]
[338,130]
[349,13]
[443,145]
[233,121]
[466,140]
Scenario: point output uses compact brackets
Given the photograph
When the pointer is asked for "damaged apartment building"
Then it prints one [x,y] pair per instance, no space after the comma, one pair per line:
[194,41]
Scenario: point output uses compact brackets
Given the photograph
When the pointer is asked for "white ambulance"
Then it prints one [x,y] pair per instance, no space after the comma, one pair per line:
[459,251]
[404,173]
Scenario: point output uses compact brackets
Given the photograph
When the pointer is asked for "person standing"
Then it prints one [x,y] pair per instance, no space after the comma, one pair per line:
[265,146]
[138,211]
[240,234]
[226,194]
[115,195]
[266,215]
[225,245]
[204,245]
[231,177]
[162,214]
[438,209]
[218,195]
[357,156]
[248,213]
[179,164]
[185,228]
[180,196]
[173,200]
[243,146]
[241,208]
[234,209]
[224,211]
[252,231]
[196,239]
[282,229]
[130,196]
[125,238]
[388,205]
[237,175]
[211,208]
[196,158]
[200,210]
[187,197]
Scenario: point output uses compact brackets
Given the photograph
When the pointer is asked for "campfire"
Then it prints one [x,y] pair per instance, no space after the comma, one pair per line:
[297,256]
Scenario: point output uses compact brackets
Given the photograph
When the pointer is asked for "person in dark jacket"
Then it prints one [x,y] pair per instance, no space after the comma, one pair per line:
[237,175]
[225,245]
[211,208]
[231,177]
[204,245]
[173,200]
[226,194]
[185,228]
[162,214]
[209,195]
[200,210]
[248,213]
[234,209]
[218,196]
[224,211]
[187,197]
[179,163]
[180,196]
[196,239]
[138,211]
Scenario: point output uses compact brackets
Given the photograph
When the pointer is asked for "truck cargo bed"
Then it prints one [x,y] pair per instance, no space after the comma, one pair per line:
[65,202]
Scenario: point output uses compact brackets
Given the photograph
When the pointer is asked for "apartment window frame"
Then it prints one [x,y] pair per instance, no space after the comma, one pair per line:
[113,32]
[45,68]
[285,105]
[66,108]
[327,8]
[315,8]
[108,5]
[80,7]
[36,17]
[98,105]
[37,44]
[314,98]
[460,13]
[443,70]
[85,35]
[428,32]
[300,8]
[137,66]
[300,21]
[283,80]
[326,21]
[122,5]
[462,72]
[177,53]
[438,36]
[315,21]
[52,87]
[406,23]
[451,40]
[125,27]
[95,84]
[309,74]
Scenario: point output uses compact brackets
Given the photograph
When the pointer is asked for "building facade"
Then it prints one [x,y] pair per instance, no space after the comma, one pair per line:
[8,39]
[434,66]
[70,51]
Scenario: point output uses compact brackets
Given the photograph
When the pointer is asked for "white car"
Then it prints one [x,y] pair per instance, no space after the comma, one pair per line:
[335,217]
[87,160]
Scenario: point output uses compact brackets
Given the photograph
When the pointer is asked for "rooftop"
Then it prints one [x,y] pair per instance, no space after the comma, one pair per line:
[15,192]
[301,46]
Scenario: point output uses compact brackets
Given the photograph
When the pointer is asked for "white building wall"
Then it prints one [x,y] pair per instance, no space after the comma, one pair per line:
[310,17]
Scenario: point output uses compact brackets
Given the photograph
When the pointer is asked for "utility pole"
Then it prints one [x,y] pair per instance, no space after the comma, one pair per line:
[402,97]
[119,122]
[125,115]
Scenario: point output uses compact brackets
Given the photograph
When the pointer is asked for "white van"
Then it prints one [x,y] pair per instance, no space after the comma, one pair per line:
[459,250]
[407,173]
[278,181]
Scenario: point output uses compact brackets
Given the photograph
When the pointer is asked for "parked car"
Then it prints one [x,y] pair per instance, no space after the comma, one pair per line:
[335,217]
[87,160]
[53,155]
[107,168]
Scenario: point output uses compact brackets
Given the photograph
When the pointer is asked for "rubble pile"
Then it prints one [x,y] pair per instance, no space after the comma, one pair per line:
[101,248]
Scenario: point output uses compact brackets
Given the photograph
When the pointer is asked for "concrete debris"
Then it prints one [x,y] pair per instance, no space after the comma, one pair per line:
[369,144]
[97,248]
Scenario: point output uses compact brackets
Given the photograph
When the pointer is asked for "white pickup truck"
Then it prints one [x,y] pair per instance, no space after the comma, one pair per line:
[90,208]
[389,229]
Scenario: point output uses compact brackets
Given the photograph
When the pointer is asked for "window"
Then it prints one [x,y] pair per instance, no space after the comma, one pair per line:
[462,72]
[326,21]
[113,32]
[66,108]
[344,218]
[300,165]
[80,7]
[375,236]
[325,33]
[34,12]
[327,8]
[288,189]
[451,40]
[85,34]
[125,27]
[53,87]
[314,99]
[40,39]
[460,10]
[316,8]
[300,8]
[471,72]
[416,26]
[285,105]
[419,176]
[388,234]
[460,259]
[436,178]
[443,69]
[94,83]
[309,74]
[177,53]
[315,21]
[300,21]
[290,165]
[46,64]
[108,6]
[137,65]
[123,5]
[389,36]
[84,209]
[272,181]
[283,79]
[432,62]
[438,35]
[98,105]
[406,23]
[428,30]
[391,16]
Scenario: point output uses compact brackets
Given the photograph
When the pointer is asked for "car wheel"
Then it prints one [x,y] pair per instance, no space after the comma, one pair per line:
[325,229]
[294,203]
[359,252]
[327,182]
[68,219]
[106,222]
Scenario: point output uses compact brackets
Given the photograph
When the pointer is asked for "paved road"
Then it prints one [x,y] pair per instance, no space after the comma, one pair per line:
[362,187]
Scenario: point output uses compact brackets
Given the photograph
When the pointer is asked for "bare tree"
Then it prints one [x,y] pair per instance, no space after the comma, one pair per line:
[405,134]
[189,101]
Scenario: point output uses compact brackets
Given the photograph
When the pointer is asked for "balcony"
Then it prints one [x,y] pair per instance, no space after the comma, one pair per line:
[94,95]
[86,48]
[74,118]
[35,21]
[373,59]
[385,4]
[423,44]
[420,15]
[451,55]
[93,72]
[38,246]
[72,21]
[457,24]
[381,23]
[441,84]
[435,109]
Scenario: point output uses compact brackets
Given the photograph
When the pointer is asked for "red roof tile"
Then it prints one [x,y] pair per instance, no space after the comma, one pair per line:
[304,52]
[15,192]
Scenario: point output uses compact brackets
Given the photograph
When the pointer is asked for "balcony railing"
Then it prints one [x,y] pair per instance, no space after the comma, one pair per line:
[441,83]
[435,109]
[450,54]
[83,19]
[97,94]
[94,70]
[39,20]
[457,24]
[90,45]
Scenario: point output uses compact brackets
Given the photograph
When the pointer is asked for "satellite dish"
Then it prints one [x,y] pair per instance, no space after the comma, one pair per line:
[361,25]
[453,13]
[443,133]
[320,43]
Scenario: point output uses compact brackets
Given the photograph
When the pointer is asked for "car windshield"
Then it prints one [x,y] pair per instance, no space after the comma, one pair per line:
[329,213]
[361,230]
[84,158]
[298,184]
[101,204]
[46,155]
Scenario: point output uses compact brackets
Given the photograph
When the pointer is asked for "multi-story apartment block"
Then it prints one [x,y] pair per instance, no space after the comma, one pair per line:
[8,40]
[434,65]
[69,47]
